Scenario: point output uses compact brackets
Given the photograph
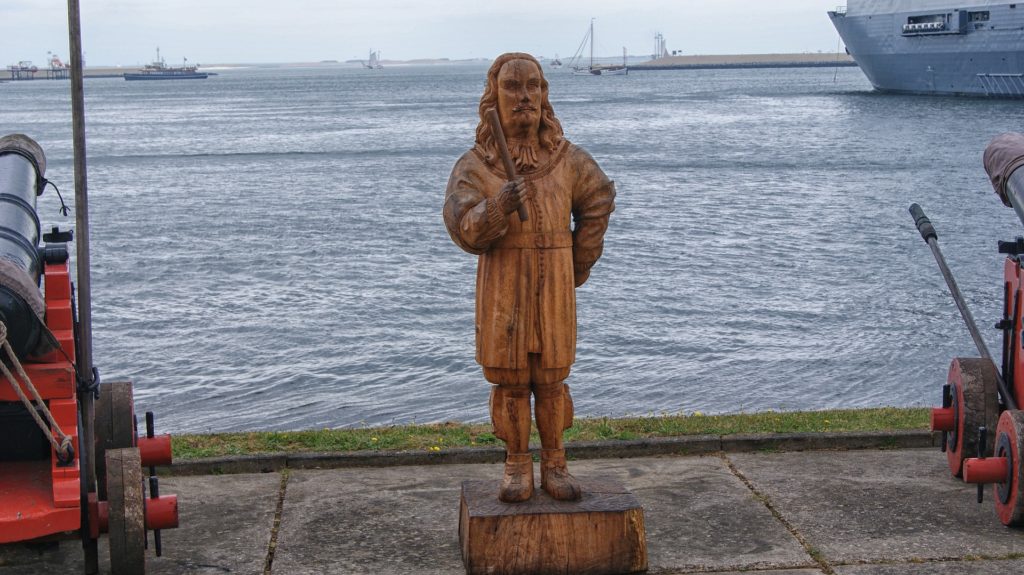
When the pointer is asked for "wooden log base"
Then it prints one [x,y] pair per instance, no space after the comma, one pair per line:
[601,534]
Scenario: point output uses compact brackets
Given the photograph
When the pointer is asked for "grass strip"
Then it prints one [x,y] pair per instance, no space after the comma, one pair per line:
[436,437]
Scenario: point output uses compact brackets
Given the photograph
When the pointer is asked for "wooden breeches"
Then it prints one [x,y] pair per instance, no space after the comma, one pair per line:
[510,404]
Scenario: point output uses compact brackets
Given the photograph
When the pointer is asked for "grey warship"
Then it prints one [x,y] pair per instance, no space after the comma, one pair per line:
[159,70]
[935,46]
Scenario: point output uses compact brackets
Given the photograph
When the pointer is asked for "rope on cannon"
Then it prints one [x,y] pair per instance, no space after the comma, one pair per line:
[63,445]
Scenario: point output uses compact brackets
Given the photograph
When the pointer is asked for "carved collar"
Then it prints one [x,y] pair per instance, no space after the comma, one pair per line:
[553,161]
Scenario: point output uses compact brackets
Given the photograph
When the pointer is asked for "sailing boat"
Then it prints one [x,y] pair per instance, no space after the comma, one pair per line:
[374,63]
[595,70]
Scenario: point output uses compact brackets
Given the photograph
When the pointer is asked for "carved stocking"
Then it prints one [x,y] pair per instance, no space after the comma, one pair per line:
[510,414]
[552,405]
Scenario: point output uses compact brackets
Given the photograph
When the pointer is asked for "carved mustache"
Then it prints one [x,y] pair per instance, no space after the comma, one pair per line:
[524,108]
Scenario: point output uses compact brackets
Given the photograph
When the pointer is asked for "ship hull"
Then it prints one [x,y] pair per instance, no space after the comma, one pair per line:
[595,71]
[197,76]
[928,47]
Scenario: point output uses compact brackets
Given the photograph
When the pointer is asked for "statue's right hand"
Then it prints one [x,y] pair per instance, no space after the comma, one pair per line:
[512,194]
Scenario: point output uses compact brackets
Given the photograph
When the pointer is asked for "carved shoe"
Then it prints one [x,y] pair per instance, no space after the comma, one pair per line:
[517,484]
[555,478]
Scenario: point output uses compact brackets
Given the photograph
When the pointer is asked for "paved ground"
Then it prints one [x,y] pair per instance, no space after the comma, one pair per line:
[868,512]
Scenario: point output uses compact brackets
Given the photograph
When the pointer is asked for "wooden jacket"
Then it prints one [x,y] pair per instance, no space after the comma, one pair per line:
[528,271]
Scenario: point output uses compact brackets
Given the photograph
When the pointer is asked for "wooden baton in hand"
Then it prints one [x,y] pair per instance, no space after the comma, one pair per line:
[506,157]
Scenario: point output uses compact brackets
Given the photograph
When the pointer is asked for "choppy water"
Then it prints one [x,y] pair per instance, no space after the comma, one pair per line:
[268,249]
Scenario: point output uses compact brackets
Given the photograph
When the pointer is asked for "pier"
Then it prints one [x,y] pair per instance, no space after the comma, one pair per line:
[57,73]
[25,70]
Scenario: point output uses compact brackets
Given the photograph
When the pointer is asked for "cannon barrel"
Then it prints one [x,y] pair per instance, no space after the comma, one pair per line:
[22,169]
[1003,156]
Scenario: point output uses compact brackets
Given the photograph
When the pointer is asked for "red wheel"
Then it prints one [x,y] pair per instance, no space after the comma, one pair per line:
[114,426]
[972,382]
[1010,444]
[127,524]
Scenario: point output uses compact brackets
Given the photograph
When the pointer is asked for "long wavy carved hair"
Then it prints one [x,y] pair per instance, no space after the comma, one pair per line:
[550,128]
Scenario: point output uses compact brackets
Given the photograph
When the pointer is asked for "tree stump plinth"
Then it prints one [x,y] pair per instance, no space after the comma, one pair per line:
[601,534]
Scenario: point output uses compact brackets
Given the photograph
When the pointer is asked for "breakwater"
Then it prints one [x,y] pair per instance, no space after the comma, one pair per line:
[711,62]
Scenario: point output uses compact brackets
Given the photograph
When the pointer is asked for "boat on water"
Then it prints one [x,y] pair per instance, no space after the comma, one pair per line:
[159,70]
[556,63]
[374,62]
[935,46]
[591,69]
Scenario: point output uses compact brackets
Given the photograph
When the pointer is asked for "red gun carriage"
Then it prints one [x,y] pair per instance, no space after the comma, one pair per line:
[981,418]
[54,438]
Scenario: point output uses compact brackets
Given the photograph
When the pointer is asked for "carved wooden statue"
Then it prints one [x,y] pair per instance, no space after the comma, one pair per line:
[529,264]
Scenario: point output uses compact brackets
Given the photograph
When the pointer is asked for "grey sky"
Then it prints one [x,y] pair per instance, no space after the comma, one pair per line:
[126,32]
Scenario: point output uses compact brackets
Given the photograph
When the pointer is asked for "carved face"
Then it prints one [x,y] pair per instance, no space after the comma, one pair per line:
[519,97]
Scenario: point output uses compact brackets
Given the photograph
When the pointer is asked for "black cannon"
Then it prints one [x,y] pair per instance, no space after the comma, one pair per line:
[73,460]
[22,309]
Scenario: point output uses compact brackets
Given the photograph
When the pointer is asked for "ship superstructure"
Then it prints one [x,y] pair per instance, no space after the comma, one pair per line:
[936,46]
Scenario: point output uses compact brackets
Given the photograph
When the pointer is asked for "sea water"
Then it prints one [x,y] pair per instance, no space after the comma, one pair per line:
[268,250]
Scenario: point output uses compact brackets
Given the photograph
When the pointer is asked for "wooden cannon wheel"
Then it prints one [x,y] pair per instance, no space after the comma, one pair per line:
[115,426]
[974,391]
[127,524]
[1010,444]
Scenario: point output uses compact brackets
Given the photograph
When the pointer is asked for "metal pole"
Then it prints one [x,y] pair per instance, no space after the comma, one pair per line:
[84,359]
[924,226]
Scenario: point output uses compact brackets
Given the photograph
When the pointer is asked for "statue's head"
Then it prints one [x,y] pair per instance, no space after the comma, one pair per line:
[521,68]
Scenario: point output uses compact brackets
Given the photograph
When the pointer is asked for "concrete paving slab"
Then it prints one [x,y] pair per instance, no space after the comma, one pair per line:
[700,516]
[768,572]
[993,567]
[873,506]
[62,557]
[868,512]
[226,524]
[398,520]
[405,520]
